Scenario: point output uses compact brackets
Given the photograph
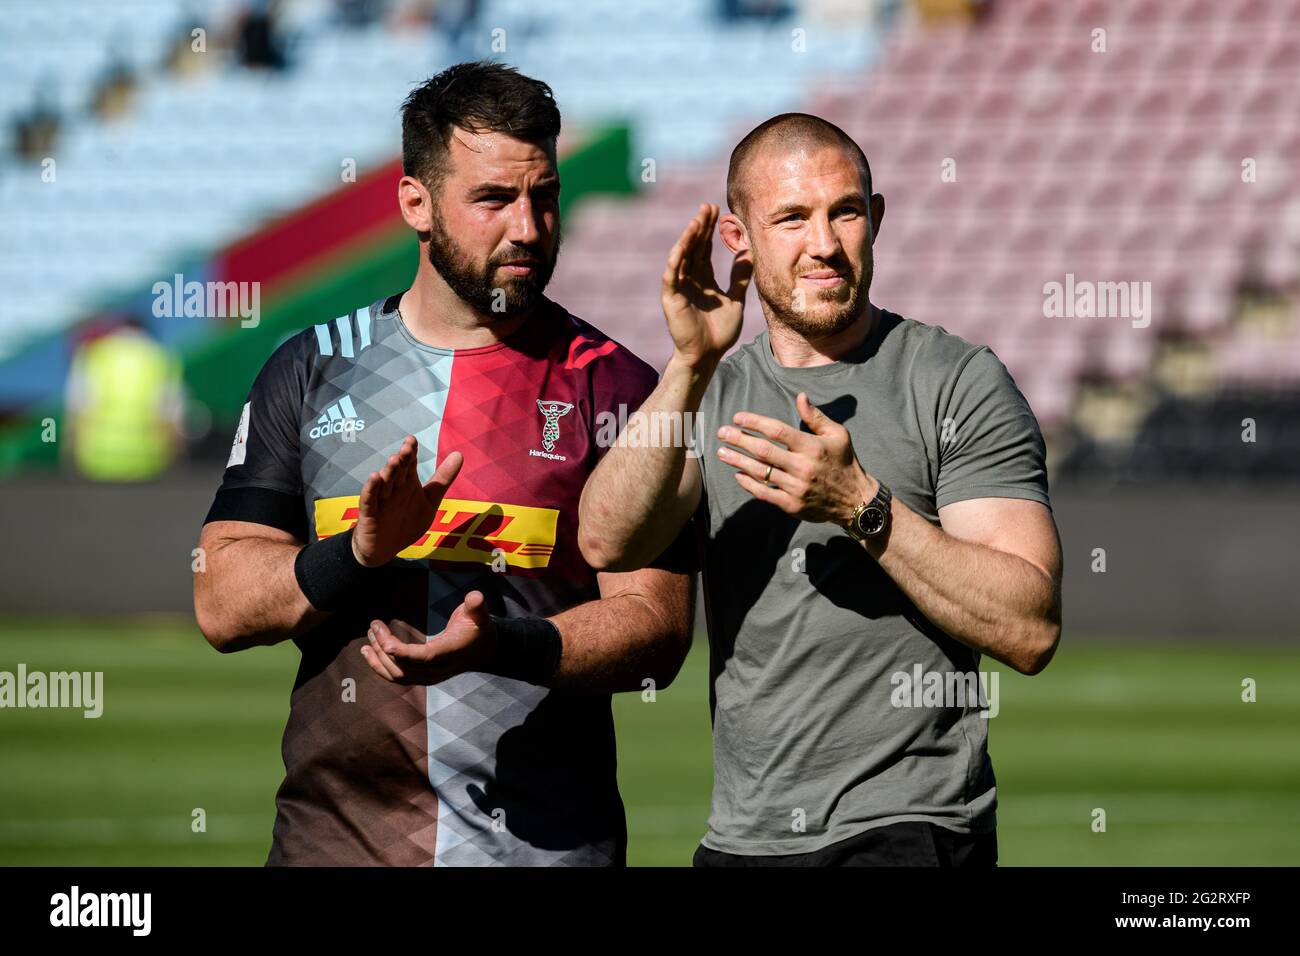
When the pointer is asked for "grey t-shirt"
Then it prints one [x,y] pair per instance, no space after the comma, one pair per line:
[807,633]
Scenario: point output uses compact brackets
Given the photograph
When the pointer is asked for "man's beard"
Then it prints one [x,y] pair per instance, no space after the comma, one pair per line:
[806,323]
[516,295]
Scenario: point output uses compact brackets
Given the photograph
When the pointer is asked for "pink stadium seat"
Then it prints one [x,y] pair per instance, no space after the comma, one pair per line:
[1039,14]
[1092,13]
[1147,13]
[1124,353]
[1286,53]
[1202,14]
[1234,54]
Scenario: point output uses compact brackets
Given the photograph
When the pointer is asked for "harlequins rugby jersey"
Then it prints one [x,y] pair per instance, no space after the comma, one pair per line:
[478,769]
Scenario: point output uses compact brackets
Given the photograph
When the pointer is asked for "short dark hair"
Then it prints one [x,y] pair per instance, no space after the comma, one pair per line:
[789,131]
[483,97]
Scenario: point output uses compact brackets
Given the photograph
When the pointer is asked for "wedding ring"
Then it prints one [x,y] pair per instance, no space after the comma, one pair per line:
[768,477]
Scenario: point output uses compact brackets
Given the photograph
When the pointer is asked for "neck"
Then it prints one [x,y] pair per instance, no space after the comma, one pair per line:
[437,316]
[793,350]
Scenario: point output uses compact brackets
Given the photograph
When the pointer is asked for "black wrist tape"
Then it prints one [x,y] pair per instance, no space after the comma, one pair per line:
[329,573]
[528,648]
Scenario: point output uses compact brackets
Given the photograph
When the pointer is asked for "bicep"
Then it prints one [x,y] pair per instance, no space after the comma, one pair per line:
[247,568]
[246,594]
[219,534]
[1019,526]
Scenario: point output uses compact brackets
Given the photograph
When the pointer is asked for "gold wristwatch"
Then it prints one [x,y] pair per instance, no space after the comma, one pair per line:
[871,517]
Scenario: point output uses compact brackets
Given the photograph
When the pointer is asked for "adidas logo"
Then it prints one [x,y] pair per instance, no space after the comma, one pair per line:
[337,418]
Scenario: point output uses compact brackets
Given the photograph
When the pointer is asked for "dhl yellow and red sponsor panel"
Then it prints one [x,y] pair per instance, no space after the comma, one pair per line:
[463,530]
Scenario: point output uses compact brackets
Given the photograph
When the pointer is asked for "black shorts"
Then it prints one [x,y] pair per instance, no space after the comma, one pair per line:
[898,844]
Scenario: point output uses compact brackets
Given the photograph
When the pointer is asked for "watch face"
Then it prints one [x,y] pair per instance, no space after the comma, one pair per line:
[871,521]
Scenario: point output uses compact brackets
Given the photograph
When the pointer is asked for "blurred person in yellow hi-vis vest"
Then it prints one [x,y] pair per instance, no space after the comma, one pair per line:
[124,403]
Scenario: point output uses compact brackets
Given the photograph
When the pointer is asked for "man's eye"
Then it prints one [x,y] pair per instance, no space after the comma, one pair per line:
[849,211]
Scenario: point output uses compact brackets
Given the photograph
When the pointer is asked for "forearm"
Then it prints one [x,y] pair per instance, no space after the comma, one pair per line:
[631,507]
[617,643]
[248,595]
[995,602]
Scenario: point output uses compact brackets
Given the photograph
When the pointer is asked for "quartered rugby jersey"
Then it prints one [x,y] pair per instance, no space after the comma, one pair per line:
[478,769]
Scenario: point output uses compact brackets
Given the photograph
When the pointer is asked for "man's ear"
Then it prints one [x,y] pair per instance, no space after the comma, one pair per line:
[877,215]
[733,233]
[415,203]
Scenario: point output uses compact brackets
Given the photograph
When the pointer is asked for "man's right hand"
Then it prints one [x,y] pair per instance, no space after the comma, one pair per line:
[395,509]
[703,320]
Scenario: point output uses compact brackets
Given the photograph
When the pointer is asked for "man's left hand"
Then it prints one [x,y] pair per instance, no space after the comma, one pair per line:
[816,477]
[400,654]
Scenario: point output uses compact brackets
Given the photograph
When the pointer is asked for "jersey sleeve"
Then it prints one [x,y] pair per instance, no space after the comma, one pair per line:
[263,478]
[990,445]
[618,390]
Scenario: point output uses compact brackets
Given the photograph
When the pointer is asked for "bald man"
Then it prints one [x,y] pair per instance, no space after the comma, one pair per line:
[872,510]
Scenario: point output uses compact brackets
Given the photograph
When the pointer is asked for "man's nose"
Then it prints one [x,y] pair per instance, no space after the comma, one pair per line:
[524,230]
[822,241]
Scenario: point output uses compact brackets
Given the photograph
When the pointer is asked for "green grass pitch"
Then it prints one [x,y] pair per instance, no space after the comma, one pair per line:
[1156,734]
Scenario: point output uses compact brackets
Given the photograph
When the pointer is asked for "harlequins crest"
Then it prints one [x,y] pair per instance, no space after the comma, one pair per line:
[552,412]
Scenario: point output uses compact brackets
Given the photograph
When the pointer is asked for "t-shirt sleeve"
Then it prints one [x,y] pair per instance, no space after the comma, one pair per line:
[990,445]
[629,385]
[263,478]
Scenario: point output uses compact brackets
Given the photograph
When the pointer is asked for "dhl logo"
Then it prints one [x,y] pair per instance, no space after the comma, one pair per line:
[463,530]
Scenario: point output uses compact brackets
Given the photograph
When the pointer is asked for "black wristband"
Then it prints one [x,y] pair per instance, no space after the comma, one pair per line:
[528,648]
[329,574]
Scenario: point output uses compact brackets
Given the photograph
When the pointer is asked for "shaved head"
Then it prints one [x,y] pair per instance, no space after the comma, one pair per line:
[788,133]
